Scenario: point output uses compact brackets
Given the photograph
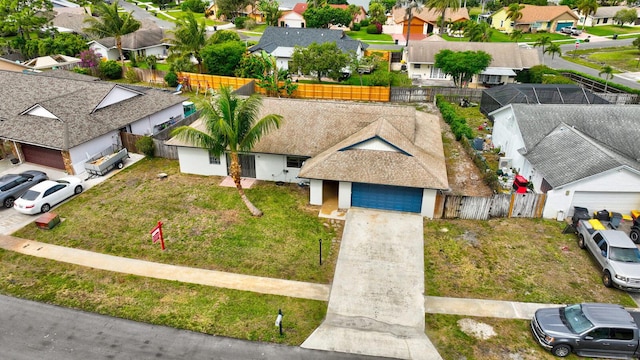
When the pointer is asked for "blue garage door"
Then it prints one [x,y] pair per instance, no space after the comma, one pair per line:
[560,25]
[386,197]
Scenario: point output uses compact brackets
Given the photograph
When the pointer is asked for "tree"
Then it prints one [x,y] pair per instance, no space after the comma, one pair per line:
[361,64]
[514,12]
[478,32]
[462,65]
[636,43]
[387,4]
[586,8]
[377,13]
[189,37]
[230,8]
[554,49]
[542,41]
[411,7]
[112,24]
[222,59]
[152,64]
[608,71]
[625,16]
[23,17]
[321,60]
[272,79]
[222,36]
[322,17]
[271,11]
[516,34]
[442,6]
[231,125]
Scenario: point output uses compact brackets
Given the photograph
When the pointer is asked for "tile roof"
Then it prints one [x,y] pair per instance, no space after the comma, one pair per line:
[534,13]
[72,101]
[504,55]
[430,16]
[320,129]
[274,37]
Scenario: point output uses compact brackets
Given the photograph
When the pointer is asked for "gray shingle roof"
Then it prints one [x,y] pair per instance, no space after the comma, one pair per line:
[505,55]
[72,101]
[615,126]
[566,155]
[148,35]
[274,37]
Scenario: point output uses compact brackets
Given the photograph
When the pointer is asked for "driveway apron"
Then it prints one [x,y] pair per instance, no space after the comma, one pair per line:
[376,305]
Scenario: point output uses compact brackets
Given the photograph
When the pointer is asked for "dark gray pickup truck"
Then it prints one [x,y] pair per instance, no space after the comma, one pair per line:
[589,329]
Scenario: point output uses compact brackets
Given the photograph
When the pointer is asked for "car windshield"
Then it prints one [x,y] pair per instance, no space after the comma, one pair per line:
[577,322]
[30,195]
[629,255]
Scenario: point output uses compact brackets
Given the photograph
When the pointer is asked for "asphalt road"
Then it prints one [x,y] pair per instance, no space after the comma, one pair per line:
[31,330]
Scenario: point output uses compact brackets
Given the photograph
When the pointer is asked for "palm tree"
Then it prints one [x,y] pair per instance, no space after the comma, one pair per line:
[542,41]
[189,37]
[410,7]
[442,5]
[586,8]
[112,24]
[514,12]
[554,49]
[516,34]
[152,63]
[608,71]
[478,32]
[231,125]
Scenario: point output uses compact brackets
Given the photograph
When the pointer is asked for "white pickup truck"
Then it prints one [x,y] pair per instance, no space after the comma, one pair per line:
[571,30]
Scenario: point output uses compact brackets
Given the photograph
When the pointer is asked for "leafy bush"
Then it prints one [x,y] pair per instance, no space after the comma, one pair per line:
[458,124]
[110,69]
[131,76]
[81,70]
[250,24]
[171,78]
[364,23]
[240,21]
[146,146]
[374,29]
[355,27]
[196,6]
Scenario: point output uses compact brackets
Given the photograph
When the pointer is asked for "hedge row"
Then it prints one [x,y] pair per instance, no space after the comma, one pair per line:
[458,124]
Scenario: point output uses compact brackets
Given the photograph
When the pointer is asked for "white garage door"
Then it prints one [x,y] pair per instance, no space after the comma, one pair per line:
[612,201]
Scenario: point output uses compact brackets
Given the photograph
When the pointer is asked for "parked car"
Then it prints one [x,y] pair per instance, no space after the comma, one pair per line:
[571,30]
[593,330]
[615,253]
[43,196]
[14,185]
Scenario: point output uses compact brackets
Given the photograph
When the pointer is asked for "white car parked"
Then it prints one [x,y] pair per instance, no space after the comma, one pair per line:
[42,197]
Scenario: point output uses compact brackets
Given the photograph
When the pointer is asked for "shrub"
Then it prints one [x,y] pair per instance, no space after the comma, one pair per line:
[81,70]
[110,69]
[372,29]
[171,78]
[146,146]
[356,27]
[131,76]
[196,6]
[364,23]
[250,24]
[240,21]
[458,124]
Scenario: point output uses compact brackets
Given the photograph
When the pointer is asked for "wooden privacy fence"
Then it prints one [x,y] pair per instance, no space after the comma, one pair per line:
[428,94]
[161,150]
[500,205]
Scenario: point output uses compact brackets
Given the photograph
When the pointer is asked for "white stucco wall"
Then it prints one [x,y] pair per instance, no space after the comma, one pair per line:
[81,153]
[428,202]
[344,195]
[145,126]
[273,167]
[315,192]
[506,135]
[196,161]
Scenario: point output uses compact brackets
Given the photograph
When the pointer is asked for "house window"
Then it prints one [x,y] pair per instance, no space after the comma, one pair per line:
[605,20]
[295,161]
[490,79]
[416,66]
[437,73]
[213,159]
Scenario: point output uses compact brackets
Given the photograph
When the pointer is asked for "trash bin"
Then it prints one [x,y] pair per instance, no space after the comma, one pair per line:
[615,36]
[560,216]
[396,41]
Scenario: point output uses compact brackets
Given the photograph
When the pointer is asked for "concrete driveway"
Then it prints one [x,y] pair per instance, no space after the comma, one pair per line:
[11,220]
[376,305]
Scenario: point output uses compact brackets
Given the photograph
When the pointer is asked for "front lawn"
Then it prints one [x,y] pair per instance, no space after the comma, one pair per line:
[609,30]
[364,36]
[623,58]
[497,36]
[205,225]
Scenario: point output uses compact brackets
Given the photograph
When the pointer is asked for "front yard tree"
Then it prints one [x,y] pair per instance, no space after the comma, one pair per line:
[462,65]
[189,37]
[377,13]
[231,125]
[478,32]
[554,49]
[586,8]
[321,60]
[625,16]
[111,23]
[322,17]
[23,17]
[271,11]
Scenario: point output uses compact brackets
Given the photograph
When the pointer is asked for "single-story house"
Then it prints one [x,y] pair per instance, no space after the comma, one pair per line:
[70,19]
[249,11]
[498,96]
[149,40]
[605,16]
[423,22]
[53,62]
[366,155]
[294,18]
[535,18]
[291,19]
[507,60]
[280,42]
[579,155]
[62,122]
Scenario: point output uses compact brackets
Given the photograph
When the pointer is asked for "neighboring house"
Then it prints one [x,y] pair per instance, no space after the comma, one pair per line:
[280,42]
[367,155]
[53,62]
[604,16]
[70,19]
[64,4]
[579,155]
[294,18]
[498,96]
[291,19]
[422,23]
[149,40]
[535,18]
[9,65]
[61,122]
[507,60]
[248,11]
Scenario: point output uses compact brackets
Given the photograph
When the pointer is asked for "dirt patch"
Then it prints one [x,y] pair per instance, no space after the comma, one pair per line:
[476,329]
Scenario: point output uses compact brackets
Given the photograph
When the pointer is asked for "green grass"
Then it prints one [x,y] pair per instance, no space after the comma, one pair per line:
[497,36]
[178,14]
[608,30]
[624,58]
[364,36]
[205,225]
[208,310]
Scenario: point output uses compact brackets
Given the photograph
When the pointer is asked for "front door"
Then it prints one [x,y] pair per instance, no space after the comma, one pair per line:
[247,165]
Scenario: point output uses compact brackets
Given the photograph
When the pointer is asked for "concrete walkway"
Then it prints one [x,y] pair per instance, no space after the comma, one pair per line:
[376,306]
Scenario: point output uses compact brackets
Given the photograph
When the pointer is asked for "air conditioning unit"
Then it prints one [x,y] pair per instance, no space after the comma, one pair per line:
[505,163]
